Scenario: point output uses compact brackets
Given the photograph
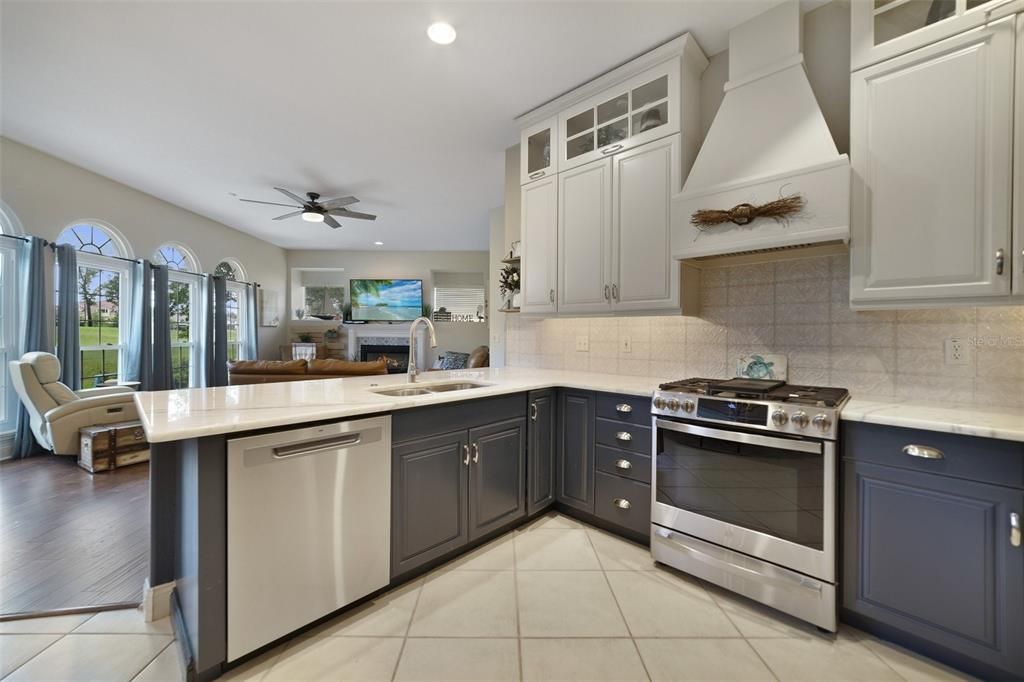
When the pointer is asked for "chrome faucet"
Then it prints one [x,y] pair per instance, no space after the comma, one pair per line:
[413,370]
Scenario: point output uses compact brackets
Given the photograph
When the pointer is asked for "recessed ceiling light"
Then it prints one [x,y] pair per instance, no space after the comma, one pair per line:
[378,243]
[313,217]
[441,33]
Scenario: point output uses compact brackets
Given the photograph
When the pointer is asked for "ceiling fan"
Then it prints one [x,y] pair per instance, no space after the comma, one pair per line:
[315,211]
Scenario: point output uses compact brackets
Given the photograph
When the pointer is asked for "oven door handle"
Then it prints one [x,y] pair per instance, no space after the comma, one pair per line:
[741,437]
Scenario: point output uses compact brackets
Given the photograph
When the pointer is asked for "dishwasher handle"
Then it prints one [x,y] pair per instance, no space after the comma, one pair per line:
[325,445]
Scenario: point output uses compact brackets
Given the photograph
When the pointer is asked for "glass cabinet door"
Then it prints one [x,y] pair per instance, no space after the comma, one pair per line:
[538,151]
[894,18]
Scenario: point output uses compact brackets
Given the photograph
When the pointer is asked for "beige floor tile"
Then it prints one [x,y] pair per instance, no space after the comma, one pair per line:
[454,660]
[585,660]
[164,668]
[387,616]
[567,604]
[911,666]
[555,550]
[616,554]
[466,604]
[16,649]
[658,604]
[92,657]
[552,520]
[819,660]
[494,556]
[256,668]
[338,658]
[682,660]
[125,621]
[756,620]
[51,625]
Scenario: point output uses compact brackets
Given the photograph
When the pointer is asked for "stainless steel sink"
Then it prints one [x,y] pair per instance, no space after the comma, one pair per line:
[454,386]
[402,392]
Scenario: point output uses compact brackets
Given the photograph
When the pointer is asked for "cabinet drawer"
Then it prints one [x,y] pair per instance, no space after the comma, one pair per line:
[422,422]
[978,459]
[622,463]
[625,408]
[623,502]
[624,436]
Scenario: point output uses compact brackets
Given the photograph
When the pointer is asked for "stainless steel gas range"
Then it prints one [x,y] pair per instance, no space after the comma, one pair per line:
[744,489]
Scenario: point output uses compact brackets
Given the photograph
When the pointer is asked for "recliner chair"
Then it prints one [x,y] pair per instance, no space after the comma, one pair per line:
[57,412]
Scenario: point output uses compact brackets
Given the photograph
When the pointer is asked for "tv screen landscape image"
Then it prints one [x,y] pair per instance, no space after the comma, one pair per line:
[386,299]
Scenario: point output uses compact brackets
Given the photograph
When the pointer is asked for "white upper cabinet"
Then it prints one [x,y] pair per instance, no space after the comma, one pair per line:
[539,247]
[931,147]
[641,109]
[881,29]
[646,178]
[585,238]
[538,151]
[1018,168]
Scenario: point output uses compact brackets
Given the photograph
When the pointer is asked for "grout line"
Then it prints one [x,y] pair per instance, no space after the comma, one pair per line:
[759,656]
[150,662]
[408,627]
[38,653]
[519,626]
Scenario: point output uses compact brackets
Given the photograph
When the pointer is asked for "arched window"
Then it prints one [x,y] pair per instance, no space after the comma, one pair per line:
[9,223]
[176,257]
[231,270]
[95,239]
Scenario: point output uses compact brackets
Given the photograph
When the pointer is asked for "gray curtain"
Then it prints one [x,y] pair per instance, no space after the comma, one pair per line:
[138,360]
[220,331]
[251,350]
[161,362]
[68,345]
[206,335]
[34,333]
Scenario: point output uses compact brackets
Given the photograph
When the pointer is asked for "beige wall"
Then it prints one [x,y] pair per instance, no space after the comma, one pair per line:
[47,194]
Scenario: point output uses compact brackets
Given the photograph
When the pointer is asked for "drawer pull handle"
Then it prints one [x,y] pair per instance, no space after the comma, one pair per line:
[1015,529]
[476,453]
[538,174]
[624,436]
[621,503]
[624,464]
[623,408]
[533,411]
[923,451]
[465,452]
[611,150]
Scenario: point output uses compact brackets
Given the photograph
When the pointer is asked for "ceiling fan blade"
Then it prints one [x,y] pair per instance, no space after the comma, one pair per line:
[290,215]
[339,202]
[345,213]
[331,221]
[292,196]
[268,203]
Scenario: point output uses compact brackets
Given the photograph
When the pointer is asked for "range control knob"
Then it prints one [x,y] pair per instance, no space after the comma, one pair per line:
[779,417]
[689,406]
[800,420]
[822,422]
[673,404]
[659,403]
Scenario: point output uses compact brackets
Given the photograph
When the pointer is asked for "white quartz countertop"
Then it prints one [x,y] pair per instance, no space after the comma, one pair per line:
[191,413]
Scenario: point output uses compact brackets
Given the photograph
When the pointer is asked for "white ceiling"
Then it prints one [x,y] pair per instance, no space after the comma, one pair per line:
[190,101]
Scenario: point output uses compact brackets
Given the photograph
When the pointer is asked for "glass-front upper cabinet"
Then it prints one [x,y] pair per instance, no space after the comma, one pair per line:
[538,151]
[641,109]
[881,29]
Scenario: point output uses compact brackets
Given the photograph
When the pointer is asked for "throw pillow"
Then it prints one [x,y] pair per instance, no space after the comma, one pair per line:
[452,360]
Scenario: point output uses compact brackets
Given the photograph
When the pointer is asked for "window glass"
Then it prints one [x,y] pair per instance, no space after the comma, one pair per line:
[175,258]
[89,238]
[226,270]
[180,298]
[99,322]
[459,304]
[8,333]
[233,309]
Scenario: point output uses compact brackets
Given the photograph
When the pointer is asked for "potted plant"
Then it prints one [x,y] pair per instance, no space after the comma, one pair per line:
[305,338]
[508,285]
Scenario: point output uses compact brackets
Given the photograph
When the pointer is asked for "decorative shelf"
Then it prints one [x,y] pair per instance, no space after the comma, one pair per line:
[508,310]
[511,261]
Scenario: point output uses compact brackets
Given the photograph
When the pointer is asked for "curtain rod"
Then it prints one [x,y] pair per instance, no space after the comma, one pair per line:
[18,237]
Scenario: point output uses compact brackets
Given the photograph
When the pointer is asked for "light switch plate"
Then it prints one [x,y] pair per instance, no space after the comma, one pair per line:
[583,344]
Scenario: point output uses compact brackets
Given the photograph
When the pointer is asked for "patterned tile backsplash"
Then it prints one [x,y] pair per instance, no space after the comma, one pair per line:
[798,308]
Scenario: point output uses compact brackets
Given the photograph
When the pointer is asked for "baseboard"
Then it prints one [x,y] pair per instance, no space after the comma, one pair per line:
[6,446]
[156,601]
[188,662]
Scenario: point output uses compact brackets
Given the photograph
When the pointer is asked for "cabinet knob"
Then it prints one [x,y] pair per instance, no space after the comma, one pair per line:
[624,464]
[1015,529]
[624,408]
[923,451]
[1000,260]
[621,503]
[624,436]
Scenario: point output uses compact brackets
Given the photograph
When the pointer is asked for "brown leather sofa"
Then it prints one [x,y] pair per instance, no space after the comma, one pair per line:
[271,371]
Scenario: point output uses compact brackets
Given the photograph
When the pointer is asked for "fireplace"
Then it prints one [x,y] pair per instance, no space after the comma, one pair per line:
[397,357]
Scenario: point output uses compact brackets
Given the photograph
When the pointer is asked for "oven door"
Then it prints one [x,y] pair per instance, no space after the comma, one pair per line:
[765,496]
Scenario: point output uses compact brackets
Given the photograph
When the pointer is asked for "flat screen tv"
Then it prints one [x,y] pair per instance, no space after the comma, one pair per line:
[386,300]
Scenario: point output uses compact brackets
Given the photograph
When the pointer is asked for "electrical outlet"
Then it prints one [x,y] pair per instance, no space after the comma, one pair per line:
[626,344]
[583,344]
[956,351]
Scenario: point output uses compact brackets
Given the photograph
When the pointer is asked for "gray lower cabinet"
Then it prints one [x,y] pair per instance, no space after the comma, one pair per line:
[576,452]
[497,476]
[458,473]
[931,557]
[542,445]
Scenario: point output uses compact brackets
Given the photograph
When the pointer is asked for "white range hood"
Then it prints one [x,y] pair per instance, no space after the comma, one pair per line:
[768,140]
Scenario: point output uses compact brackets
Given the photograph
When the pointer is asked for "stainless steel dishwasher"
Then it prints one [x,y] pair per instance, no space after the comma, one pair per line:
[309,526]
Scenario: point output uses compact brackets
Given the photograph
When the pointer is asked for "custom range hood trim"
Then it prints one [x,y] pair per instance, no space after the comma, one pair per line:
[768,139]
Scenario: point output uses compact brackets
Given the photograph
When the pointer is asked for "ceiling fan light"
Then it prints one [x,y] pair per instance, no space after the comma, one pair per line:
[313,217]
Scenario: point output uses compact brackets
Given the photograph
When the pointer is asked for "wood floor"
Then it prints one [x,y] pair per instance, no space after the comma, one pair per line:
[68,538]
